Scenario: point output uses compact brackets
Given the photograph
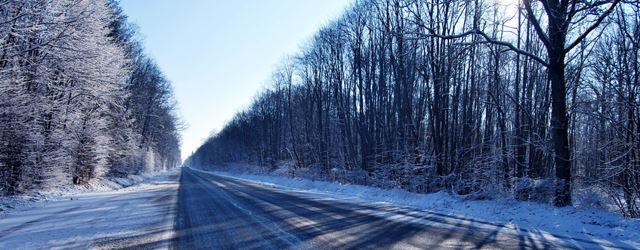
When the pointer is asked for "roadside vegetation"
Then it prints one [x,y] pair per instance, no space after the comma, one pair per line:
[79,99]
[532,100]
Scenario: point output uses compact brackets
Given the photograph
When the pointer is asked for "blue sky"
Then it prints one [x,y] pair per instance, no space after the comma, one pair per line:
[218,54]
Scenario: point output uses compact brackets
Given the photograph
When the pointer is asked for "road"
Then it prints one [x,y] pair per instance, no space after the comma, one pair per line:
[218,212]
[201,210]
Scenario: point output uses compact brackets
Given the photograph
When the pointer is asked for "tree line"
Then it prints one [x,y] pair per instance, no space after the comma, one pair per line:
[537,104]
[79,99]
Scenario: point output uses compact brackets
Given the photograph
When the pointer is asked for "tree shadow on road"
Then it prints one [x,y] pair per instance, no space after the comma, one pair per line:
[326,223]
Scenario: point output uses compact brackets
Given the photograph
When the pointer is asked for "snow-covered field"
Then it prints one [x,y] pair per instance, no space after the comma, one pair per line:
[140,215]
[534,218]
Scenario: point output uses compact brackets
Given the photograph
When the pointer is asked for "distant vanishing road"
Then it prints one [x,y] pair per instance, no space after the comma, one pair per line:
[201,210]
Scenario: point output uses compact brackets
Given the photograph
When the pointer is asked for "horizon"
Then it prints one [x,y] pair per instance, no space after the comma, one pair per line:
[216,63]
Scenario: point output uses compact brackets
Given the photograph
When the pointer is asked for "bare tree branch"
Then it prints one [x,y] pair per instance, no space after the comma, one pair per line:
[488,39]
[593,26]
[536,24]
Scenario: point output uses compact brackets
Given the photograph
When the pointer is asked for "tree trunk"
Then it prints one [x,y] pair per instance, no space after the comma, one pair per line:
[559,122]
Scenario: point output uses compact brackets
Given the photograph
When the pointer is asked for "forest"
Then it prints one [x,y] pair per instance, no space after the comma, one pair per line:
[79,98]
[531,100]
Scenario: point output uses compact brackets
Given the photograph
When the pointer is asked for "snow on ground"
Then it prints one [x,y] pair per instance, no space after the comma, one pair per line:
[141,216]
[582,223]
[9,204]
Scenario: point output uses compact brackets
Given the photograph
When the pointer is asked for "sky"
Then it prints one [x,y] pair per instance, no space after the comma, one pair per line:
[220,53]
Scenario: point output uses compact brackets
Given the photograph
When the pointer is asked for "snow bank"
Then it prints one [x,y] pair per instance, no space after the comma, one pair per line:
[9,204]
[584,223]
[141,216]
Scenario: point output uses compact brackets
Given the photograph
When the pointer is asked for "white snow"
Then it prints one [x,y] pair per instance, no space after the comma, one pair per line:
[9,204]
[141,215]
[532,218]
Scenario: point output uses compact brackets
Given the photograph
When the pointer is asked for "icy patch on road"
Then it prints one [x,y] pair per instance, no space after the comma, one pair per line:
[10,204]
[582,223]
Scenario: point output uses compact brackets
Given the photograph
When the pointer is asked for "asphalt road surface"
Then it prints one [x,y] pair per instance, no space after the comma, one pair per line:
[216,212]
[201,210]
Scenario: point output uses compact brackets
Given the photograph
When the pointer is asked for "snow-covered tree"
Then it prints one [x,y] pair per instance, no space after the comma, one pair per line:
[66,70]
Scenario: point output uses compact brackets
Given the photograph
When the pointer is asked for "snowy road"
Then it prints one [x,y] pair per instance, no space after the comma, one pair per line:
[208,211]
[220,212]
